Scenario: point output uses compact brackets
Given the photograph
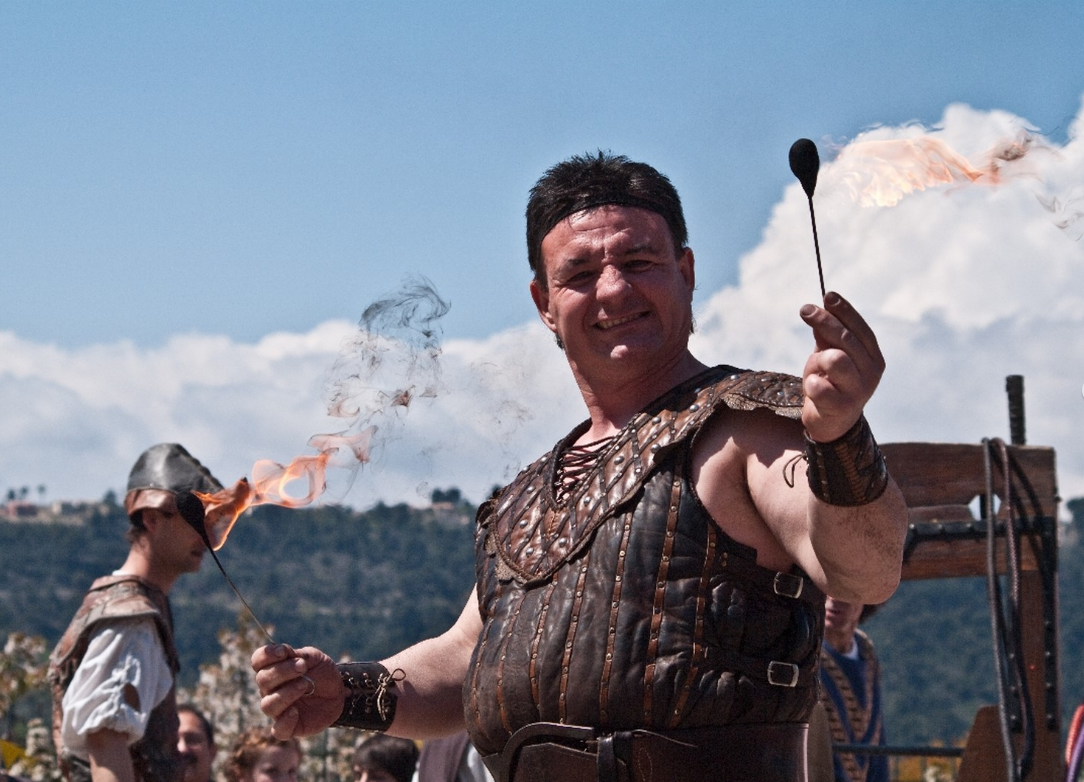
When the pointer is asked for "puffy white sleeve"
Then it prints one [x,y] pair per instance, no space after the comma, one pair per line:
[123,676]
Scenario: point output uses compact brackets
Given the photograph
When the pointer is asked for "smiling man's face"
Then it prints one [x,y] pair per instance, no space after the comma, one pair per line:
[618,293]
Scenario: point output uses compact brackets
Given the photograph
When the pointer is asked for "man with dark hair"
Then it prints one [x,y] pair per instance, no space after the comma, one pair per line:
[384,759]
[195,743]
[113,672]
[650,593]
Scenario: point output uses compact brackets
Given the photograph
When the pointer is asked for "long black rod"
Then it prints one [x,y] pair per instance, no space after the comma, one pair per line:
[240,596]
[816,245]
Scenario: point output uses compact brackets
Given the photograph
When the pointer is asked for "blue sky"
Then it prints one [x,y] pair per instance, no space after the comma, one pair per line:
[242,168]
[198,200]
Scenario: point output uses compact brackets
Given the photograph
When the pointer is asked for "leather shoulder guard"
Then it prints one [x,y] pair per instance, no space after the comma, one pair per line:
[532,536]
[115,597]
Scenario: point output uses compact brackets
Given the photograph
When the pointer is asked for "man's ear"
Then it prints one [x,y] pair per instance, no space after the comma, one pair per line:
[541,299]
[151,519]
[687,267]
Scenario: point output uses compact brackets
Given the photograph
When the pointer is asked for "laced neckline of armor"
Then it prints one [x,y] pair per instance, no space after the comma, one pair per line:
[575,464]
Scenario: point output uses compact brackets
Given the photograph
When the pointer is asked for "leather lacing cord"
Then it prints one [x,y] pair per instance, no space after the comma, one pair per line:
[575,464]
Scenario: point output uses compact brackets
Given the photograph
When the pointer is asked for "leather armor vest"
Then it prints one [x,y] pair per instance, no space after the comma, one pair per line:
[628,607]
[154,756]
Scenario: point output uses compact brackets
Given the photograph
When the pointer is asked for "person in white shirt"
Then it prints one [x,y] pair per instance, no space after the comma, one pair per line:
[113,672]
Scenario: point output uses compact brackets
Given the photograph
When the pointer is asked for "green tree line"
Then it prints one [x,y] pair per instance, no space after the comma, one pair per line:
[365,584]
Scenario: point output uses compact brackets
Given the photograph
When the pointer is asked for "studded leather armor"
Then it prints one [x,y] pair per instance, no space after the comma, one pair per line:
[154,756]
[626,606]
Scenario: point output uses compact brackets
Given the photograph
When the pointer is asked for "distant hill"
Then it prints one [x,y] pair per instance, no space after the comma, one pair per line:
[366,584]
[370,583]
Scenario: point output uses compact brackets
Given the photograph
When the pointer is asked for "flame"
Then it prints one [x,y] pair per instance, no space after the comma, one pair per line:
[881,173]
[270,481]
[390,362]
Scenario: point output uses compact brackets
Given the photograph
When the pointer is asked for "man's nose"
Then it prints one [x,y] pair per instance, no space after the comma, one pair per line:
[612,281]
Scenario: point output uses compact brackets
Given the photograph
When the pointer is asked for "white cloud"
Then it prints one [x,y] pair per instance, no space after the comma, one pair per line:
[963,284]
[75,420]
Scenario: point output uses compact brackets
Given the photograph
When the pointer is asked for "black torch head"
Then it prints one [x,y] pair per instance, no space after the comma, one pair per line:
[191,509]
[805,163]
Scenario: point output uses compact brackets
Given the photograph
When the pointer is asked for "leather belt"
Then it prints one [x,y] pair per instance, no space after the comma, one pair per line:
[550,752]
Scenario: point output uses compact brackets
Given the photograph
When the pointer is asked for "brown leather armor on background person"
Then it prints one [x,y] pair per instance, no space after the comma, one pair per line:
[628,608]
[154,756]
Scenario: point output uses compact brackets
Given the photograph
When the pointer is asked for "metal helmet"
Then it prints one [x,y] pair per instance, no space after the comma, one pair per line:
[160,472]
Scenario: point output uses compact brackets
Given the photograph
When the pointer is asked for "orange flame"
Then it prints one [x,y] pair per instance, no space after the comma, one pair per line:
[881,173]
[271,479]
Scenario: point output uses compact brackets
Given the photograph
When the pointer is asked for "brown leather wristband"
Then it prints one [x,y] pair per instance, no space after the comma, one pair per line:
[370,696]
[849,471]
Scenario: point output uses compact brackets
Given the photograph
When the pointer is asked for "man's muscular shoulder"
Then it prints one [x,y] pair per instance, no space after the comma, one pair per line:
[744,467]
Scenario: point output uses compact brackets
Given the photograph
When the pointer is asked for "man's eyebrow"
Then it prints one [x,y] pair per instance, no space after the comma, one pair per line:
[645,247]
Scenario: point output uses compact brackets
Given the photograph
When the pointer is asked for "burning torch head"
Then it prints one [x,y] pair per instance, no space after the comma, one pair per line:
[192,511]
[160,475]
[805,163]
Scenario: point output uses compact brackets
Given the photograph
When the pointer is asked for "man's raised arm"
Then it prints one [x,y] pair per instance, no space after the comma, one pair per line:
[857,517]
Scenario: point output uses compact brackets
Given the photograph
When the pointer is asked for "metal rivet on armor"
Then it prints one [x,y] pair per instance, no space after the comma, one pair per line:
[617,579]
[564,669]
[523,523]
[586,501]
[697,391]
[614,604]
[568,644]
[530,551]
[609,655]
[619,459]
[654,448]
[694,407]
[666,558]
[562,542]
[656,420]
[732,377]
[579,593]
[670,532]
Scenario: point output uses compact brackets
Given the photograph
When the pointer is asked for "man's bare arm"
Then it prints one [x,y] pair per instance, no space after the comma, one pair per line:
[110,760]
[851,553]
[429,688]
[846,534]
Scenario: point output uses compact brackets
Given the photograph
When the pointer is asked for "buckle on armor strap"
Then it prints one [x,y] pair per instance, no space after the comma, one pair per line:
[788,585]
[782,674]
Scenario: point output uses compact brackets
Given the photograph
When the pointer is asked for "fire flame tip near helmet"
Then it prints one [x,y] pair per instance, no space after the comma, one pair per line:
[271,480]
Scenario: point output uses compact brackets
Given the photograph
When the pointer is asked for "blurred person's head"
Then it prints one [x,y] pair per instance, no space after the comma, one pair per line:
[257,756]
[841,619]
[383,758]
[195,743]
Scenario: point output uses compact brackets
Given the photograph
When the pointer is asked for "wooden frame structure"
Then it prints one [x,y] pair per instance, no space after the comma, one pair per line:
[939,482]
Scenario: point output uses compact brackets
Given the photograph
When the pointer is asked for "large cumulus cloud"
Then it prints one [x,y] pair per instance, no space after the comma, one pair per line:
[964,284]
